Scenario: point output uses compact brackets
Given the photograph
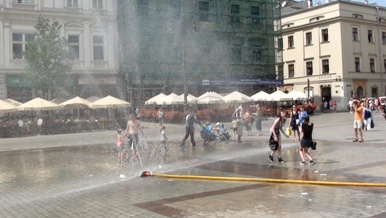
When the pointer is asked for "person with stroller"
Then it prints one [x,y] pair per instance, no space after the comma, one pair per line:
[207,133]
[190,120]
[221,131]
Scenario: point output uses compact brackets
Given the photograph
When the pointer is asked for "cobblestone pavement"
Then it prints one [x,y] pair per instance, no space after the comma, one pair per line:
[77,175]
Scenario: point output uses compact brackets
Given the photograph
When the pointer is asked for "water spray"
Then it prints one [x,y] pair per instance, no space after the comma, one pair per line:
[265,180]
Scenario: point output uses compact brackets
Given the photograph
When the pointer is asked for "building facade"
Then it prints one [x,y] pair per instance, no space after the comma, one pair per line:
[91,31]
[334,51]
[186,46]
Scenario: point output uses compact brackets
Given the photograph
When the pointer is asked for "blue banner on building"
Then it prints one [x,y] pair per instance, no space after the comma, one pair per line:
[241,82]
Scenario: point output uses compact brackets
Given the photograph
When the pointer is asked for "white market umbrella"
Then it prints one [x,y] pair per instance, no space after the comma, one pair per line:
[260,96]
[7,107]
[154,99]
[38,104]
[297,95]
[210,98]
[13,102]
[279,96]
[109,102]
[236,97]
[189,97]
[75,103]
[171,99]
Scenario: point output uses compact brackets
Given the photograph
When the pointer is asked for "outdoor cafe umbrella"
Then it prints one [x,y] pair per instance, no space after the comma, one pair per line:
[109,102]
[297,95]
[13,102]
[170,100]
[209,98]
[76,103]
[260,96]
[236,97]
[6,107]
[38,104]
[189,97]
[279,96]
[154,99]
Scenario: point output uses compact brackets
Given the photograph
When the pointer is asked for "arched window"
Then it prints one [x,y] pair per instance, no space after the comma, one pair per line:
[359,93]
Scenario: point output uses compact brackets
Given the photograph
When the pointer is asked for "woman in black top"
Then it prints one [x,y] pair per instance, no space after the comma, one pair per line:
[306,141]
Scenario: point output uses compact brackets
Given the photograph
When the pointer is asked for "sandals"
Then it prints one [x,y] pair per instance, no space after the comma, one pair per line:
[355,140]
[361,140]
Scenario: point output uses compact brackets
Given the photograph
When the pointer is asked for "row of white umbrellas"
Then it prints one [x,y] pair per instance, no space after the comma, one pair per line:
[233,97]
[38,104]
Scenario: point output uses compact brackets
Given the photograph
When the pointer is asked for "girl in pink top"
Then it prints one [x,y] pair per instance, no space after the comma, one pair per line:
[120,145]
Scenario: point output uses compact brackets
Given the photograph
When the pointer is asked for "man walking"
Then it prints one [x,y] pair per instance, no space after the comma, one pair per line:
[358,121]
[189,127]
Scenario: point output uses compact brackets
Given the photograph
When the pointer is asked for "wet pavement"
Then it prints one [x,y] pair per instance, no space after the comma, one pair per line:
[78,175]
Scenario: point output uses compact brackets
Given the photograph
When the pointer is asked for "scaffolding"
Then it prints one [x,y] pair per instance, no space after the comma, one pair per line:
[167,42]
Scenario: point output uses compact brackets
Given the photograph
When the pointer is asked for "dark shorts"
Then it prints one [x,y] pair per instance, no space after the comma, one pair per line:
[161,119]
[132,140]
[120,148]
[306,143]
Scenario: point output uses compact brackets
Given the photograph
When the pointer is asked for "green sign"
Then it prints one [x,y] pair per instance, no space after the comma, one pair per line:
[19,81]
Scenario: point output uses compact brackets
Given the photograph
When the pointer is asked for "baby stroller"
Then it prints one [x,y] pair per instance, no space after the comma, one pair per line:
[207,136]
[223,135]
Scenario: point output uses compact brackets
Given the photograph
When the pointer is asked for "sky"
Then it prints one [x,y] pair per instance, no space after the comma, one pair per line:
[379,2]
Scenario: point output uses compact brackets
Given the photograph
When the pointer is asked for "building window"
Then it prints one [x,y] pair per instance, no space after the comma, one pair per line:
[324,35]
[72,3]
[280,44]
[255,14]
[325,66]
[98,48]
[355,34]
[290,41]
[235,13]
[203,8]
[26,2]
[73,47]
[19,42]
[291,71]
[309,68]
[370,35]
[372,65]
[236,53]
[357,65]
[383,37]
[309,38]
[280,72]
[256,51]
[97,4]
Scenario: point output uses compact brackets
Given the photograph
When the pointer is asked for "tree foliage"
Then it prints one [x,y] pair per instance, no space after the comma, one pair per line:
[47,57]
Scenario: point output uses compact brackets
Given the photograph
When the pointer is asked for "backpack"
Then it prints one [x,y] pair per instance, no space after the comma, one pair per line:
[367,114]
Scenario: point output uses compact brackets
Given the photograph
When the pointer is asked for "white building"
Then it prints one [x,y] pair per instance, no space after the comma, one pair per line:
[338,47]
[88,25]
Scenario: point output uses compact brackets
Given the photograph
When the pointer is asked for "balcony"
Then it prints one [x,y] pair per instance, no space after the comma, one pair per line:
[77,65]
[99,65]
